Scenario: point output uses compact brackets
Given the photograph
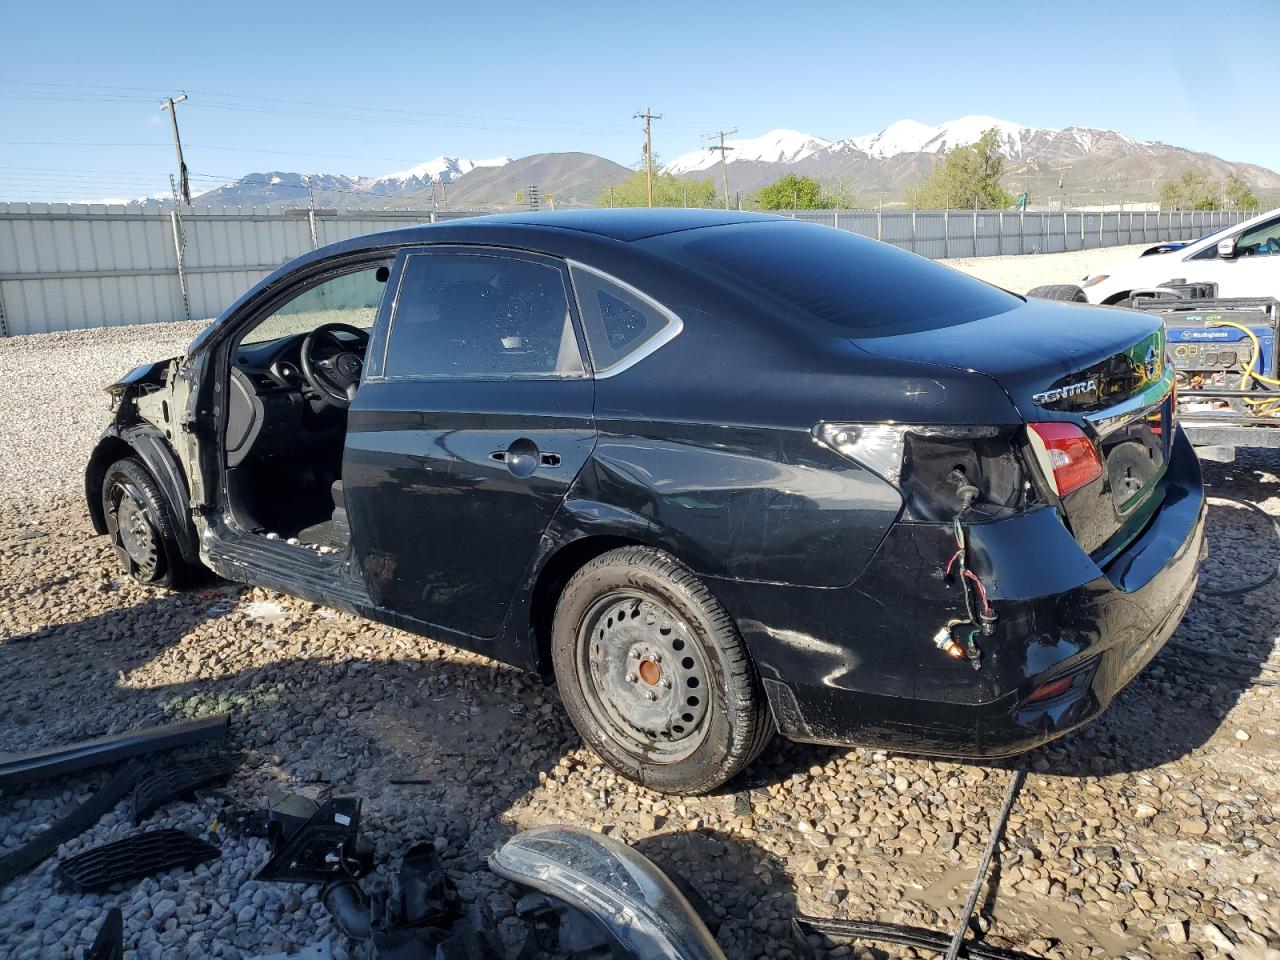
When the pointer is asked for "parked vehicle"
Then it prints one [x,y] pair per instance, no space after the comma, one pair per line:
[1241,261]
[718,474]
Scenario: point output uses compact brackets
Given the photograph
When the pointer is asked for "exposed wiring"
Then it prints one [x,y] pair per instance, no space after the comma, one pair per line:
[984,618]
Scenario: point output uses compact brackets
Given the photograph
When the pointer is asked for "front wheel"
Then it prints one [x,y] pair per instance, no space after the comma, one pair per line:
[654,674]
[141,525]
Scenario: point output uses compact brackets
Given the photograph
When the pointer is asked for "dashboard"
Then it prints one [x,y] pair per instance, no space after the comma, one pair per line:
[271,410]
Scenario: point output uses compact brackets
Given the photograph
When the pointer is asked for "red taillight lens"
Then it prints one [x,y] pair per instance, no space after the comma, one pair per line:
[1050,690]
[1068,457]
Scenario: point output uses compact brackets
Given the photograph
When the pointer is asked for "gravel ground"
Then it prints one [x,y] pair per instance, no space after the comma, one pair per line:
[1020,274]
[1151,833]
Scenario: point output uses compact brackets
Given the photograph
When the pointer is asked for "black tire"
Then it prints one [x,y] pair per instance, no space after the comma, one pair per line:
[142,526]
[678,648]
[1059,291]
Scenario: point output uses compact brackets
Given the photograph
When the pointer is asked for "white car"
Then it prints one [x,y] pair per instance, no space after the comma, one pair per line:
[1243,260]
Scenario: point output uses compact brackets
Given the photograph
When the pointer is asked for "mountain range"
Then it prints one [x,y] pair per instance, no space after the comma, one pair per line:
[1081,165]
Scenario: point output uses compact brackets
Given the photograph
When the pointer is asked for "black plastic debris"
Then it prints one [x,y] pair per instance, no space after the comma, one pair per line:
[275,824]
[115,789]
[109,943]
[179,780]
[327,846]
[140,855]
[86,754]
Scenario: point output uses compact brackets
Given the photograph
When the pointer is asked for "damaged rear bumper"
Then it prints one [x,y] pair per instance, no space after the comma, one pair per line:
[857,665]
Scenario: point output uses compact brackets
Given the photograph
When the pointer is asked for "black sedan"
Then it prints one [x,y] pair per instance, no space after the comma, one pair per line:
[718,474]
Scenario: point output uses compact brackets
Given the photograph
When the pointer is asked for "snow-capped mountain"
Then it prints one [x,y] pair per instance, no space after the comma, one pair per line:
[440,170]
[277,187]
[909,136]
[1080,162]
[776,146]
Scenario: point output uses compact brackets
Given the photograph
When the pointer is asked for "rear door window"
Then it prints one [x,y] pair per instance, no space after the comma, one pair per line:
[857,286]
[622,324]
[481,315]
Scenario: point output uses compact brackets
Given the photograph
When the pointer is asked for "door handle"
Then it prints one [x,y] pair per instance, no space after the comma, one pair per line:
[544,459]
[523,457]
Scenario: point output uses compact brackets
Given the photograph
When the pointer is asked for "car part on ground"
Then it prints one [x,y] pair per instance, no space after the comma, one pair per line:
[179,779]
[45,844]
[951,946]
[327,846]
[141,855]
[918,938]
[109,943]
[276,823]
[654,674]
[624,894]
[1069,292]
[418,915]
[100,751]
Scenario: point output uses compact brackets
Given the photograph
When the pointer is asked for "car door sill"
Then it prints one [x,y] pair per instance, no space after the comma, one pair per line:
[277,565]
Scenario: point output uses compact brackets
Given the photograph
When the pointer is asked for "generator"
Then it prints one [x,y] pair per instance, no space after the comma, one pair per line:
[1224,355]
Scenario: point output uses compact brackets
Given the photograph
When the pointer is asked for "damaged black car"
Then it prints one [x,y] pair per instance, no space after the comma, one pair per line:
[719,475]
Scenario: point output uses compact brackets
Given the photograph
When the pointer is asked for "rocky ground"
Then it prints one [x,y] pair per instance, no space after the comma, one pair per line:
[1152,833]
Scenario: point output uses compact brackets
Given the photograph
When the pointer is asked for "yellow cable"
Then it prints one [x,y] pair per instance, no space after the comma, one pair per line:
[1253,359]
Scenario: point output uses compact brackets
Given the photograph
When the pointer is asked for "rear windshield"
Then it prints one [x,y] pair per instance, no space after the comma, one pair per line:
[861,287]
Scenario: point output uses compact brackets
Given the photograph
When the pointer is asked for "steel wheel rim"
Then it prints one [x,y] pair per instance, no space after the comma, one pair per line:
[133,534]
[644,674]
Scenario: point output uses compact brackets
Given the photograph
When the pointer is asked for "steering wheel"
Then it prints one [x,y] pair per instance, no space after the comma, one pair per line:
[332,366]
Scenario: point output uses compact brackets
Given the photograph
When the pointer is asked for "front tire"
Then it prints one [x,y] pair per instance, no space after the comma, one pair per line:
[142,527]
[654,674]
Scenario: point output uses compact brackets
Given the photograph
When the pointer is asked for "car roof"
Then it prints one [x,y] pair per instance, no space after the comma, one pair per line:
[629,224]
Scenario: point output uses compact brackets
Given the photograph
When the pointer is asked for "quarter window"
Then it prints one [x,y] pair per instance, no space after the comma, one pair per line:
[481,315]
[620,323]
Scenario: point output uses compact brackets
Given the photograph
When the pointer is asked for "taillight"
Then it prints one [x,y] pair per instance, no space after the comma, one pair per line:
[942,471]
[1066,455]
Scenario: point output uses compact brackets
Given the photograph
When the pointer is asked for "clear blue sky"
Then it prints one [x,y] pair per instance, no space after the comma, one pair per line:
[482,79]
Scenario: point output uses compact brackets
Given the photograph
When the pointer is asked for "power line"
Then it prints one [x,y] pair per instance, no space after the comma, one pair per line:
[184,185]
[724,163]
[649,116]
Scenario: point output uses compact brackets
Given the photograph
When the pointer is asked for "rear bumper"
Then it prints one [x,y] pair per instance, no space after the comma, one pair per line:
[858,665]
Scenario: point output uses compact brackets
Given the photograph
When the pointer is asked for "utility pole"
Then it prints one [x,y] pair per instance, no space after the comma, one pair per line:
[171,104]
[724,163]
[648,117]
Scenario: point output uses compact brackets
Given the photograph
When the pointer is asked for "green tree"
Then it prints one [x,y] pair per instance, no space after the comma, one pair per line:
[1239,195]
[792,193]
[1191,190]
[668,191]
[967,178]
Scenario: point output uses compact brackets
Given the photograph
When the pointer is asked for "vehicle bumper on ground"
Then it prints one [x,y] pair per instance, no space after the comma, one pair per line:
[858,664]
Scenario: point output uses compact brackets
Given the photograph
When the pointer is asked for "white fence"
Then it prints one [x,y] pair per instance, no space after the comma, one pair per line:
[988,233]
[65,267]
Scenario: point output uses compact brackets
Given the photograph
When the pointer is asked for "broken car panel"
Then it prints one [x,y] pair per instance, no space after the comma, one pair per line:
[621,891]
[718,473]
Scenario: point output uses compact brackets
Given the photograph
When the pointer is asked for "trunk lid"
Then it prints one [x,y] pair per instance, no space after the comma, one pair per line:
[1100,368]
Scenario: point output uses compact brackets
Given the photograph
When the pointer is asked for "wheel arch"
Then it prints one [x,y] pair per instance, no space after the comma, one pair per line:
[1115,298]
[556,571]
[148,445]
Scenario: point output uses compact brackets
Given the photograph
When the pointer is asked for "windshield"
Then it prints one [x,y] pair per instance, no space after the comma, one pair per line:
[858,286]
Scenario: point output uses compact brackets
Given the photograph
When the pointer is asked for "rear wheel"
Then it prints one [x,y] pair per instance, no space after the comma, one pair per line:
[654,674]
[1069,292]
[141,525]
